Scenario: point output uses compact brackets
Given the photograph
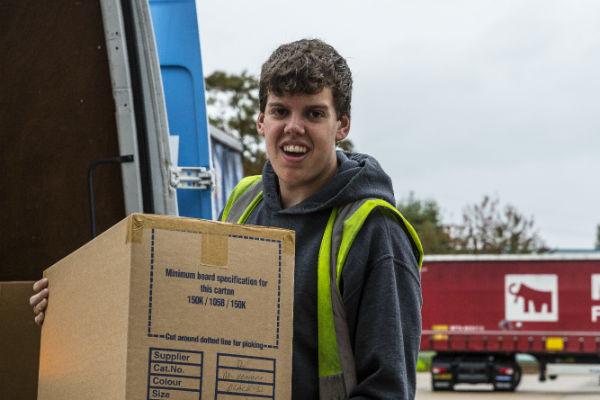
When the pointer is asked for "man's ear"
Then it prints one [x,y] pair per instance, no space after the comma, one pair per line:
[260,123]
[343,128]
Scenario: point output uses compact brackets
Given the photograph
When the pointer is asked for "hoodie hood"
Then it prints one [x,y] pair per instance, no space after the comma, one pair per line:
[358,176]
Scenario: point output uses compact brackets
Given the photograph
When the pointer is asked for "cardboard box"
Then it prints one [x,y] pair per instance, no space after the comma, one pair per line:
[19,342]
[164,307]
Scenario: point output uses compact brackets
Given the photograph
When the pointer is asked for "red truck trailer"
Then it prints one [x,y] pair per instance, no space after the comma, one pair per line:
[479,311]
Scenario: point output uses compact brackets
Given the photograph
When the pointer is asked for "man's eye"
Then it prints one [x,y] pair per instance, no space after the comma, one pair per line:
[279,111]
[316,114]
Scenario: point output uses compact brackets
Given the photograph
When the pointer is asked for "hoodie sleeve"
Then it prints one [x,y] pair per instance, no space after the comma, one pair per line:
[382,296]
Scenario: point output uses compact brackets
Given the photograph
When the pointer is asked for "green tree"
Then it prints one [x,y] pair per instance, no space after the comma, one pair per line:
[425,217]
[346,144]
[598,237]
[233,107]
[486,228]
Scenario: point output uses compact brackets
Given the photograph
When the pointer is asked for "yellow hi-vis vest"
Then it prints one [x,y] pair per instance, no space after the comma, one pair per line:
[337,371]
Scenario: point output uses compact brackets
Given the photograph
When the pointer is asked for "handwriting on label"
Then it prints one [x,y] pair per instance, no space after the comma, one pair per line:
[242,376]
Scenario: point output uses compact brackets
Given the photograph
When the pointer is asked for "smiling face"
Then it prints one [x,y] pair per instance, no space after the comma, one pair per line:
[300,134]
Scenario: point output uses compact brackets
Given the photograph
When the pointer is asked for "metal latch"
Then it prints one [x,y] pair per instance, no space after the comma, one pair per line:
[192,178]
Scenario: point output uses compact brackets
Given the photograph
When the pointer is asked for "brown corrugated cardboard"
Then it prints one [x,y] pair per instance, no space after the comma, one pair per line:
[165,307]
[19,342]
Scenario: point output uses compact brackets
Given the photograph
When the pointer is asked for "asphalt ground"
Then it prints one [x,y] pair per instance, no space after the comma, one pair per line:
[565,387]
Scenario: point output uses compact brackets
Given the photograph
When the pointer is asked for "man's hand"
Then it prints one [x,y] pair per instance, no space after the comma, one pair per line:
[39,301]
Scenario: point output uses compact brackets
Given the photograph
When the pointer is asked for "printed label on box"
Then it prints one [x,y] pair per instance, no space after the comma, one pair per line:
[175,374]
[180,295]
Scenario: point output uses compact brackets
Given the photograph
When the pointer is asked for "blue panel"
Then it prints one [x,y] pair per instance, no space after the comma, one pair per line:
[178,44]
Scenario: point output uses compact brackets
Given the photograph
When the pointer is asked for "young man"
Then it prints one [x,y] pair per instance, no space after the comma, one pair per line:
[305,94]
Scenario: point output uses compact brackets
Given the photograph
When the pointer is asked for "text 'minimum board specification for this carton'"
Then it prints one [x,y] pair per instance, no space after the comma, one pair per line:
[180,294]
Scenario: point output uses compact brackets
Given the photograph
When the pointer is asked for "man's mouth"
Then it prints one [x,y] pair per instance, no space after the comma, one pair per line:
[295,150]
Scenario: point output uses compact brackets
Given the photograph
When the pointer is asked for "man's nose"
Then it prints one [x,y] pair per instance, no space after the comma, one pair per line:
[294,125]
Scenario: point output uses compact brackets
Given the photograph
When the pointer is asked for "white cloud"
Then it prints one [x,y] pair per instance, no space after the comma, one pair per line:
[456,99]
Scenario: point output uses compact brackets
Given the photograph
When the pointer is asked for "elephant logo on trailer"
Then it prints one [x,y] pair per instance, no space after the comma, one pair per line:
[531,297]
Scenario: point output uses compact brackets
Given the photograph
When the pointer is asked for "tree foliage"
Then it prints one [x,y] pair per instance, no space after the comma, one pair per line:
[346,145]
[598,237]
[425,217]
[485,228]
[488,228]
[233,107]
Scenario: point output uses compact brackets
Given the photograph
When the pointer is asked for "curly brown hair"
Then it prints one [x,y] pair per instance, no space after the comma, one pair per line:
[306,67]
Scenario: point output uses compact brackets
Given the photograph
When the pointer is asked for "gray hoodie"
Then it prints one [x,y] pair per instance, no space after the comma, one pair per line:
[380,282]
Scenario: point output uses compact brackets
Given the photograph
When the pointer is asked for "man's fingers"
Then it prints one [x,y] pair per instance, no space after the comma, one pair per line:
[39,318]
[39,301]
[41,306]
[41,284]
[37,298]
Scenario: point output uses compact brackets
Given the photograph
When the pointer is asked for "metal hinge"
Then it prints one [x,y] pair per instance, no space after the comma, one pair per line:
[192,178]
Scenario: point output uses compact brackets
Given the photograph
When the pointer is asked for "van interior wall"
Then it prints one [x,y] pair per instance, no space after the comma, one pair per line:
[56,118]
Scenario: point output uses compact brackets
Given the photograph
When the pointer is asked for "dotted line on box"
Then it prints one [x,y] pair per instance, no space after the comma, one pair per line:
[276,346]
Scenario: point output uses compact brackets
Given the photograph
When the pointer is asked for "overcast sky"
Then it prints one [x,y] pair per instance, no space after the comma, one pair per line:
[456,99]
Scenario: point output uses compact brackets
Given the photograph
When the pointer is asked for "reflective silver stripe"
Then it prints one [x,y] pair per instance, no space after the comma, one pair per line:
[332,387]
[239,207]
